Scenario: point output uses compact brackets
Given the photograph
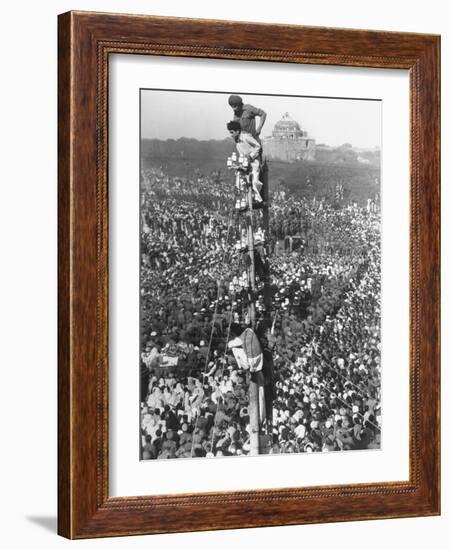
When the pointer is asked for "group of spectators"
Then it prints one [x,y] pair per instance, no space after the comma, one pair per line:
[324,331]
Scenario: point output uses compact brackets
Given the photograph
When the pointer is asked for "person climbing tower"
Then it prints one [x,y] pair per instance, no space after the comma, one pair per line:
[249,148]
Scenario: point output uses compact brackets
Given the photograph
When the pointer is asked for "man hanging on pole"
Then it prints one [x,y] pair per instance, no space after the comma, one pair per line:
[250,148]
[246,114]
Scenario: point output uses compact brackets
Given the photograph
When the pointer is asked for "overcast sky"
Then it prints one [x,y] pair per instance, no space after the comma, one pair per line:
[203,115]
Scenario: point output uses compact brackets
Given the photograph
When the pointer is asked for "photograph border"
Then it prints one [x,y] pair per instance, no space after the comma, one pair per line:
[85,41]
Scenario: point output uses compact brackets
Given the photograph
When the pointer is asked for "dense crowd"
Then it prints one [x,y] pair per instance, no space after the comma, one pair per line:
[324,332]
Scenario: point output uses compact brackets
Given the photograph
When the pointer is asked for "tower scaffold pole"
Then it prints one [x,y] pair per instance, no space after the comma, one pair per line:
[253,236]
[266,225]
[253,387]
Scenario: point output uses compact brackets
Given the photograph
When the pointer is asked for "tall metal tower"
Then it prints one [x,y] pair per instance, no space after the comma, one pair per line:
[247,206]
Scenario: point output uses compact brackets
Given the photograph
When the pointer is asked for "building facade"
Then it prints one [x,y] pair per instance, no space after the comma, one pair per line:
[288,142]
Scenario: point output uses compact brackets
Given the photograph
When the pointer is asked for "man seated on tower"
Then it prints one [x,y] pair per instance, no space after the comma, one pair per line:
[246,114]
[248,147]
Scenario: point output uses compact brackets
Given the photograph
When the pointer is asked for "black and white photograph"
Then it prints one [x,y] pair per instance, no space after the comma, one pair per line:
[260,274]
[225,232]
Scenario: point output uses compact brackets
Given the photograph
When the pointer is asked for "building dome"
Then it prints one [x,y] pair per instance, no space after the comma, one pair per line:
[289,142]
[287,128]
[287,124]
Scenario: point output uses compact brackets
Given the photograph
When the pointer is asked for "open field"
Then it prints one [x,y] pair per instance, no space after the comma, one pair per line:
[190,158]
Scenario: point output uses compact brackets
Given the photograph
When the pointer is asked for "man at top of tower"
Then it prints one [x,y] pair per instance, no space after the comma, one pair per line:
[246,114]
[248,147]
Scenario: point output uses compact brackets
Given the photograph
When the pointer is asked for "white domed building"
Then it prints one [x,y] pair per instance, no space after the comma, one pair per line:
[288,142]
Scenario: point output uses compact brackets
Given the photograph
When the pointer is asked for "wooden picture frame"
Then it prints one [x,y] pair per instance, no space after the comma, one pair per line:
[85,42]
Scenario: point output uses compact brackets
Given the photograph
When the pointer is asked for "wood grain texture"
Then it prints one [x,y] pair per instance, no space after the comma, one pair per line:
[64,295]
[85,42]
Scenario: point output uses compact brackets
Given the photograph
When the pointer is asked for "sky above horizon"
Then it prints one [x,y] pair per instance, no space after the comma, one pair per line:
[168,114]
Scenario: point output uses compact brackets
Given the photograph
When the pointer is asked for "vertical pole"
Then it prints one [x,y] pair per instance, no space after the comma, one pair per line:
[267,286]
[253,387]
[266,225]
[252,268]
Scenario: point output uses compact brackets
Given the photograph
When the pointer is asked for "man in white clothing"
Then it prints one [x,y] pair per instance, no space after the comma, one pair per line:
[249,147]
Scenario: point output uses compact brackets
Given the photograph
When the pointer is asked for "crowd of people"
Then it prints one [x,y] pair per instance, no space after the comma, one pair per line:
[324,331]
